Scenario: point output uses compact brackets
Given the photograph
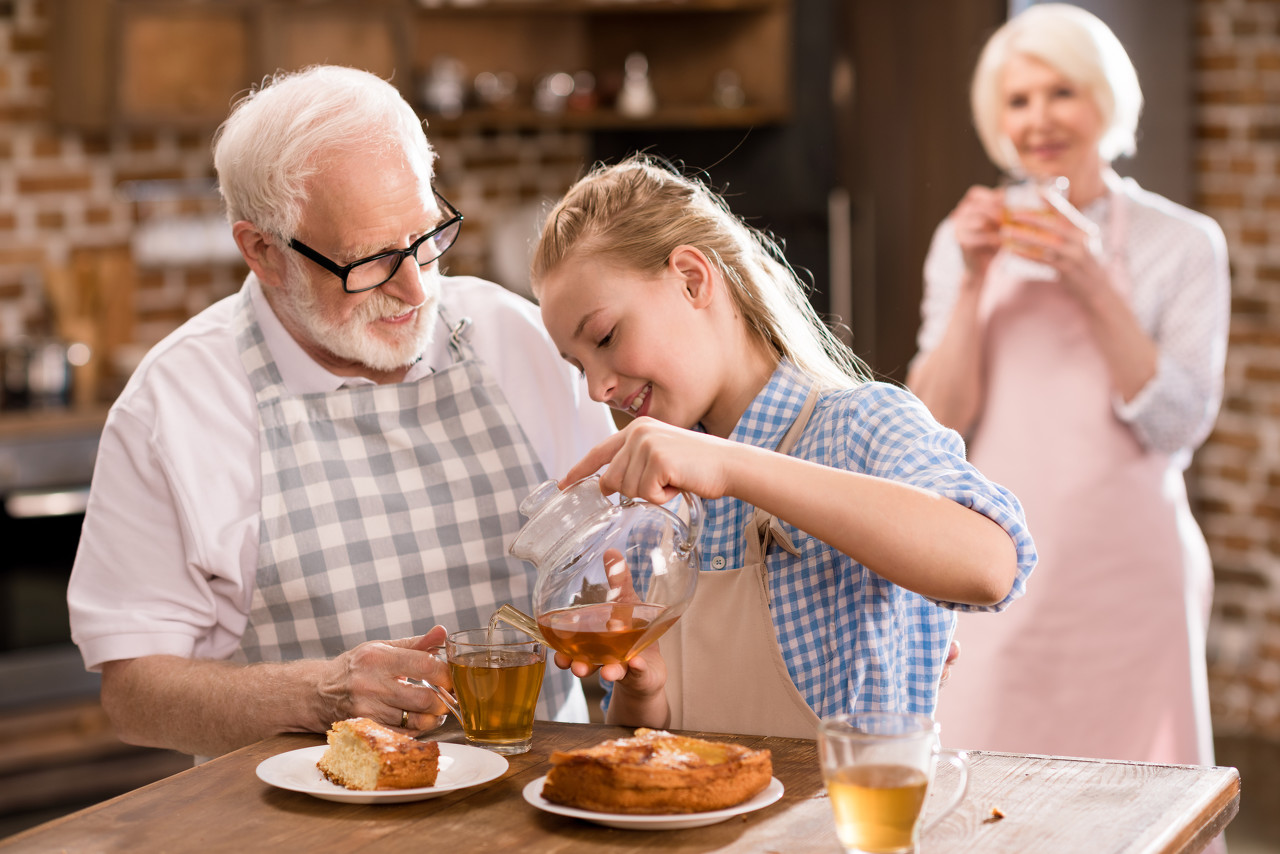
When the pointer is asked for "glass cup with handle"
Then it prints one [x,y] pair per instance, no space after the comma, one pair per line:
[878,768]
[497,676]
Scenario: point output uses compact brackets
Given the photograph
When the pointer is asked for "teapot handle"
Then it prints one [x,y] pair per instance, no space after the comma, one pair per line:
[694,503]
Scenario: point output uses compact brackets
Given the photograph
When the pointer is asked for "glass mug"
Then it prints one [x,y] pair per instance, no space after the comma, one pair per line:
[878,767]
[1038,199]
[497,676]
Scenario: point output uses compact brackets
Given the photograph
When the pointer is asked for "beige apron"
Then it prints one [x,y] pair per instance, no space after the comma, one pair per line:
[1104,656]
[725,671]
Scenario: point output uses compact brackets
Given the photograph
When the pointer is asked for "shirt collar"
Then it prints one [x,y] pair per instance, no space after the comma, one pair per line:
[774,409]
[303,375]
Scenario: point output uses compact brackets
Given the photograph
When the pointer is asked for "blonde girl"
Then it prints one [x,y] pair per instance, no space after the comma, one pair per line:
[843,525]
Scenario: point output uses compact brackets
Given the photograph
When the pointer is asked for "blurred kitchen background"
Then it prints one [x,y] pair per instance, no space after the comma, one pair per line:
[840,125]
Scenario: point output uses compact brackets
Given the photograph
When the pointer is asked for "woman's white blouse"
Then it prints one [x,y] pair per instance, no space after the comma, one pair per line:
[1177,263]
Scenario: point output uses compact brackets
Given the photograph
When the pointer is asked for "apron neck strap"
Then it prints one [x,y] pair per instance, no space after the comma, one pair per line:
[764,528]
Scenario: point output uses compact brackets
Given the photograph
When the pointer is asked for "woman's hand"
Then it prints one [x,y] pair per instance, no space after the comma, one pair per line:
[1071,249]
[976,221]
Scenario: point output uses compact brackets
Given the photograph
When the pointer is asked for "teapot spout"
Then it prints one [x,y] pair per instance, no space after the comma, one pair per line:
[519,620]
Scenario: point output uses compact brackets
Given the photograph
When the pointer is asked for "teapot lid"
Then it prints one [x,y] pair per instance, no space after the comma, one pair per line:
[555,516]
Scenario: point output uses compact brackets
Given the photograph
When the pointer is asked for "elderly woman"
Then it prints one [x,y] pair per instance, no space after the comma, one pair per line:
[1080,351]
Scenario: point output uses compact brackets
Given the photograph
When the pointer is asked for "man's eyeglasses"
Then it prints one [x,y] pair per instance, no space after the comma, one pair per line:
[376,270]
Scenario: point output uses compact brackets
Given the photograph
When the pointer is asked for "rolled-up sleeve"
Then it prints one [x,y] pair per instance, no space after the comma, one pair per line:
[1181,295]
[905,443]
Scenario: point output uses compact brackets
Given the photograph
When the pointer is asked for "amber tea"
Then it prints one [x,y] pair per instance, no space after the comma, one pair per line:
[1044,214]
[497,675]
[877,767]
[497,691]
[605,633]
[876,806]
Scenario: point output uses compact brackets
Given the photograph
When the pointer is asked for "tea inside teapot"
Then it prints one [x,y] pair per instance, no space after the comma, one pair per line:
[612,578]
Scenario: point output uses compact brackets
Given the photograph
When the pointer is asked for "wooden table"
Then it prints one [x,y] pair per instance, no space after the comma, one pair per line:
[1048,805]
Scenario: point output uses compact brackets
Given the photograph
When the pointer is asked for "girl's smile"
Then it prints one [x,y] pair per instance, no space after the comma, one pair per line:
[637,404]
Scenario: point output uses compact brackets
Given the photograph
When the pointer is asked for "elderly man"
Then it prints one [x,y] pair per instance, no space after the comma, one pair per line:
[304,482]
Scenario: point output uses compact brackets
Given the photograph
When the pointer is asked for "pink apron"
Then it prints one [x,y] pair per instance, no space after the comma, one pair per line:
[1104,656]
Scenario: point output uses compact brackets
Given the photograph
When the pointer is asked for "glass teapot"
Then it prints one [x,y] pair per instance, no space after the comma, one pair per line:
[611,577]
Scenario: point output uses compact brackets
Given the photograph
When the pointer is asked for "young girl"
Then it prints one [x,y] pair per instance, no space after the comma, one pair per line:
[833,505]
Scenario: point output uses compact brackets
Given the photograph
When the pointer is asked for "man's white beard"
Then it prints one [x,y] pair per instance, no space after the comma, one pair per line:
[353,339]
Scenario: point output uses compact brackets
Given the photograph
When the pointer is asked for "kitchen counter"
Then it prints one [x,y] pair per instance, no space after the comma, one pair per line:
[42,423]
[44,449]
[1046,804]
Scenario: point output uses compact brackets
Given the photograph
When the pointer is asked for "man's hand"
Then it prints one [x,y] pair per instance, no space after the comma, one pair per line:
[369,681]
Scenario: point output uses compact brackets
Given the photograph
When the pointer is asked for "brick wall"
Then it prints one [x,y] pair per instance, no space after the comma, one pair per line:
[1236,476]
[65,197]
[60,196]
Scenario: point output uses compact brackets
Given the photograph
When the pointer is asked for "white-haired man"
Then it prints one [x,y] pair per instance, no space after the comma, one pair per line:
[300,486]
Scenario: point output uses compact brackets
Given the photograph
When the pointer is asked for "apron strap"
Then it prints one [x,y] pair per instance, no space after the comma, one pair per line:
[764,528]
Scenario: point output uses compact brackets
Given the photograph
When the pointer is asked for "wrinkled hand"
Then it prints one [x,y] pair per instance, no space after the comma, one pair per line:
[368,681]
[976,220]
[655,461]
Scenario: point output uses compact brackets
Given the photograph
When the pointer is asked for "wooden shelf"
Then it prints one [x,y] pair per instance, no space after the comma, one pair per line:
[130,64]
[591,7]
[687,44]
[663,119]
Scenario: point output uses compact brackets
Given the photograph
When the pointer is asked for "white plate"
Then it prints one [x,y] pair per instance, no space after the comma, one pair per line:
[461,765]
[672,821]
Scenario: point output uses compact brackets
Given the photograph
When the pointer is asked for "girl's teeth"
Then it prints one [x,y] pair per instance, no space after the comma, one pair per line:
[639,401]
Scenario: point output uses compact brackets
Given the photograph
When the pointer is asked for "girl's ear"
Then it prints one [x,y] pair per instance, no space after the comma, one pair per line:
[696,273]
[256,250]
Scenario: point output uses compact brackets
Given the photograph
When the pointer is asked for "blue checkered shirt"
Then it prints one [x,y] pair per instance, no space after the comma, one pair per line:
[853,641]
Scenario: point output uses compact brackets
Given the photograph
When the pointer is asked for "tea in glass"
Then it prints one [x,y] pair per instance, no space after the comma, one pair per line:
[877,806]
[877,767]
[497,691]
[497,676]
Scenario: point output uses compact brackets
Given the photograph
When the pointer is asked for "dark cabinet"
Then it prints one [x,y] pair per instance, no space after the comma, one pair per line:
[128,64]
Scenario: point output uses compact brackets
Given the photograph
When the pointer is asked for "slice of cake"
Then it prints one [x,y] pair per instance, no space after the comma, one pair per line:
[656,772]
[366,755]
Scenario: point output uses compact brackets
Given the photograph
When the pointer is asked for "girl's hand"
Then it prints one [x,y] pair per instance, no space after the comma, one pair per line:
[655,461]
[1054,240]
[643,675]
[976,221]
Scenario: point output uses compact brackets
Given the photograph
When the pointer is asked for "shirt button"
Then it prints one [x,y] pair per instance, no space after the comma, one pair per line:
[718,562]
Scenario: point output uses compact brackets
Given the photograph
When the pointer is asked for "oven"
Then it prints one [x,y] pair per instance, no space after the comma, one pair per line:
[46,462]
[58,752]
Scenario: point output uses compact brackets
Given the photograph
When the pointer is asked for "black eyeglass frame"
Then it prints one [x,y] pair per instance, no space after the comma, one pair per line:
[342,272]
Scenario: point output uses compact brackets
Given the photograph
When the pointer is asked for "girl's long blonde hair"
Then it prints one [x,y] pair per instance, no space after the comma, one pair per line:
[635,214]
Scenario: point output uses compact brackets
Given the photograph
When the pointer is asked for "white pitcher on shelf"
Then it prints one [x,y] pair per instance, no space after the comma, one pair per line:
[637,98]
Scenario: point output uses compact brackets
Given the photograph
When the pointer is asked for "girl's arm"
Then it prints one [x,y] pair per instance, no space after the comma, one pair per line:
[916,539]
[910,536]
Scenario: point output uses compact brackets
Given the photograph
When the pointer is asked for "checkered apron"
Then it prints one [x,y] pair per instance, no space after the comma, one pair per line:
[386,509]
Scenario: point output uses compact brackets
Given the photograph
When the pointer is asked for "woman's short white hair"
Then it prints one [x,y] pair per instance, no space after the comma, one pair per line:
[280,134]
[1081,48]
